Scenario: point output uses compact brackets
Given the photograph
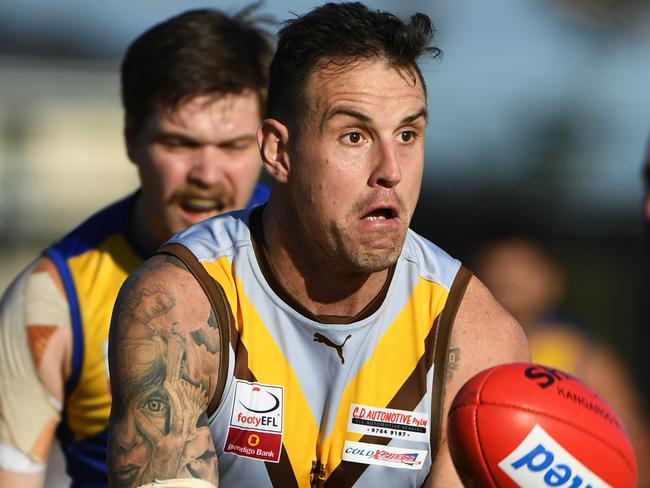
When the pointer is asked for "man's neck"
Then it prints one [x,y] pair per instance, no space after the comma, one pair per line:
[319,289]
[143,228]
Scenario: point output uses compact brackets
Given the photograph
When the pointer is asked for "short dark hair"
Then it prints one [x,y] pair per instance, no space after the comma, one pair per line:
[340,33]
[198,52]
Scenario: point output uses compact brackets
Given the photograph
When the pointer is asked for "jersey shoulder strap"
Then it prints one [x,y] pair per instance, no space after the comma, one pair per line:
[441,352]
[218,302]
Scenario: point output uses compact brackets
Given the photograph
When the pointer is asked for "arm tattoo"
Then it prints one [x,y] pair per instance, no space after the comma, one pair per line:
[454,359]
[159,426]
[209,338]
[162,259]
[149,304]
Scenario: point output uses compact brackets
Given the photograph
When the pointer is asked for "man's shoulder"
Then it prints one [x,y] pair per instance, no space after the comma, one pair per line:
[484,334]
[494,333]
[161,286]
[41,274]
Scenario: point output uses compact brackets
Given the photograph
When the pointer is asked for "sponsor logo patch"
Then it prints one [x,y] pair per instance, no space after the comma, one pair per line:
[256,421]
[393,457]
[388,422]
[541,461]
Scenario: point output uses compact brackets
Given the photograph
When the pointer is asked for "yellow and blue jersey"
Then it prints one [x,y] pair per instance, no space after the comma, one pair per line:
[93,261]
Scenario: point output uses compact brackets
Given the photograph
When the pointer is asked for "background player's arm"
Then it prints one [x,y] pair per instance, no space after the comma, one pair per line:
[484,335]
[164,359]
[35,359]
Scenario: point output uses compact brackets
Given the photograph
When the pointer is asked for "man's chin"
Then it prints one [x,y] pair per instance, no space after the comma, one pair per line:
[372,262]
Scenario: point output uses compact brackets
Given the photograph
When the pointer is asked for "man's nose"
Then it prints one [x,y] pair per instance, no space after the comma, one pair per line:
[387,171]
[206,167]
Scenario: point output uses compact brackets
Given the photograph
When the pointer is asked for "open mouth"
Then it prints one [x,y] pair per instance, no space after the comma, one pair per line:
[201,205]
[383,213]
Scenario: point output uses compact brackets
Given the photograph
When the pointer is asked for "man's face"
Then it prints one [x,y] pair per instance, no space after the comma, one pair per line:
[198,160]
[357,167]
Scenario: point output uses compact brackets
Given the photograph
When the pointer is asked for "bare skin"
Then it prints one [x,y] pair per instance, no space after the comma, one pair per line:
[194,162]
[164,358]
[346,189]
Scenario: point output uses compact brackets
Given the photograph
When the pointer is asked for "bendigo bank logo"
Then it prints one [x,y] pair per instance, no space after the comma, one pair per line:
[256,421]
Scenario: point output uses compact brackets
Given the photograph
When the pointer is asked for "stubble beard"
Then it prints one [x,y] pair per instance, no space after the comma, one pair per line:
[335,249]
[358,258]
[368,261]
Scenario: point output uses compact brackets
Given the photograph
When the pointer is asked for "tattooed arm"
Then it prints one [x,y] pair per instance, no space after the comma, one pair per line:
[164,361]
[484,335]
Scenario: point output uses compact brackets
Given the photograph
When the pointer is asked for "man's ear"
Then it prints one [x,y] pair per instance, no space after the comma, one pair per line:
[273,139]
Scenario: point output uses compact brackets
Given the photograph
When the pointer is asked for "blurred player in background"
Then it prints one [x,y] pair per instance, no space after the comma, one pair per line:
[194,92]
[529,284]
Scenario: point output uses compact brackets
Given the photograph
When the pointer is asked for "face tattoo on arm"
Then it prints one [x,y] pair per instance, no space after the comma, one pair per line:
[163,354]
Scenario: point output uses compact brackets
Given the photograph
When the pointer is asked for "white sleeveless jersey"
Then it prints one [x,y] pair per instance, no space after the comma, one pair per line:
[313,404]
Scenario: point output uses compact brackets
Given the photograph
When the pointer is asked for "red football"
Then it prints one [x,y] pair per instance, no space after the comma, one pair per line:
[524,424]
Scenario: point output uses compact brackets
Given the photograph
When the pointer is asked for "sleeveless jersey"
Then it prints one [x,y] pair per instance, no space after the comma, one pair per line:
[93,261]
[307,403]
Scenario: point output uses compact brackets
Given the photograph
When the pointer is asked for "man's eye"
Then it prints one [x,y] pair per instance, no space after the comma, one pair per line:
[353,137]
[171,142]
[239,146]
[407,136]
[175,143]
